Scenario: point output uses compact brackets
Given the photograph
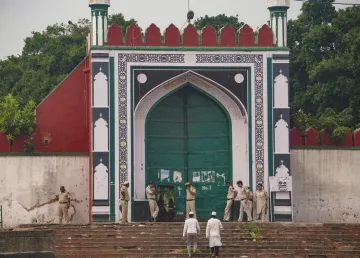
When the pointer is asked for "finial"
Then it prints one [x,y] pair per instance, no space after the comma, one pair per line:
[100,115]
[100,69]
[281,116]
[100,160]
[280,71]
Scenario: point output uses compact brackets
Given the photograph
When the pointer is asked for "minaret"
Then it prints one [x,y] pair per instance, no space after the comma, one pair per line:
[278,20]
[99,21]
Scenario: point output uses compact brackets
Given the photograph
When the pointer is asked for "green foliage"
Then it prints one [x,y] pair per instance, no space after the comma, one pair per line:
[325,69]
[47,58]
[217,22]
[15,121]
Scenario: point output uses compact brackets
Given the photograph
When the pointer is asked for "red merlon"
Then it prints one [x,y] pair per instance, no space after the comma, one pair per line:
[115,37]
[311,137]
[265,37]
[246,36]
[227,36]
[172,36]
[208,37]
[190,37]
[152,36]
[357,138]
[133,36]
[295,138]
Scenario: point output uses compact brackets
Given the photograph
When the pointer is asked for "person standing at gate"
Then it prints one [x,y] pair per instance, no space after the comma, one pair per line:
[124,201]
[260,202]
[190,199]
[229,201]
[191,231]
[244,197]
[213,228]
[153,206]
[64,198]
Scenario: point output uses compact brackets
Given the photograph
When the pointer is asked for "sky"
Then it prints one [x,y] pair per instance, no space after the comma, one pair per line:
[18,18]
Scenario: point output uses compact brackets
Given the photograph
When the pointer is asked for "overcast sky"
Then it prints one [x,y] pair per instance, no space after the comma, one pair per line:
[18,18]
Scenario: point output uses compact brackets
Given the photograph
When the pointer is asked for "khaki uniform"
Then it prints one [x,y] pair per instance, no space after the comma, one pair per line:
[190,202]
[124,203]
[229,202]
[261,198]
[154,208]
[244,203]
[63,207]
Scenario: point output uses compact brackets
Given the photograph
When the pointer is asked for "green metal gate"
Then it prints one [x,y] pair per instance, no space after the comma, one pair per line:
[188,138]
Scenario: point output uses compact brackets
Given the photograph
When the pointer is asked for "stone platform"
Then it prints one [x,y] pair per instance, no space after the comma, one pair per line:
[140,240]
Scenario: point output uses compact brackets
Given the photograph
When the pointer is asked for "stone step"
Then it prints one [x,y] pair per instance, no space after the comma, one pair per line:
[226,252]
[253,255]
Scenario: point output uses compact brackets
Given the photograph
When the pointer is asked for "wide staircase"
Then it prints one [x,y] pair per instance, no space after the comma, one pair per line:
[140,240]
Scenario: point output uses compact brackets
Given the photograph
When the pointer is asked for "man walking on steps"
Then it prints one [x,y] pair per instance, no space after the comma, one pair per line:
[191,231]
[213,228]
[153,206]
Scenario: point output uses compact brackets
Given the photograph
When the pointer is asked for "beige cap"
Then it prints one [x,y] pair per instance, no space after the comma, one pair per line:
[187,183]
[126,182]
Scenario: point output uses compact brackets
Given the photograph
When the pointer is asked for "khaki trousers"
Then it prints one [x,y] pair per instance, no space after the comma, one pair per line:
[245,207]
[124,211]
[154,208]
[190,206]
[63,209]
[229,203]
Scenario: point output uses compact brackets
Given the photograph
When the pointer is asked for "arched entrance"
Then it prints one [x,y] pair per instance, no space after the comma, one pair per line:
[188,138]
[204,89]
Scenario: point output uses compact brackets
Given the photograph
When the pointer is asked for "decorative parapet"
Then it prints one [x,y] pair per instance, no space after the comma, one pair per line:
[191,37]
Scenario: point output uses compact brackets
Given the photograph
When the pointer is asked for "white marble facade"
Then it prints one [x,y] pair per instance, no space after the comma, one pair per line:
[281,136]
[281,91]
[101,135]
[101,182]
[101,90]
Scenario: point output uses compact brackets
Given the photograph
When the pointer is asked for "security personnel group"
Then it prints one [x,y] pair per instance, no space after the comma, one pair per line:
[237,203]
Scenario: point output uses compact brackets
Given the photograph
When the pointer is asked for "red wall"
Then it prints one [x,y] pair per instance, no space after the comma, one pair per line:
[62,117]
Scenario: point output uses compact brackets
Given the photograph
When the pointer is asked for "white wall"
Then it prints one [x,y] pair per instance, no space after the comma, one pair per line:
[29,181]
[326,185]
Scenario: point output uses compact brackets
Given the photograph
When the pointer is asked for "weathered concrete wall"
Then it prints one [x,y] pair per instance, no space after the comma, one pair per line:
[326,185]
[26,182]
[29,244]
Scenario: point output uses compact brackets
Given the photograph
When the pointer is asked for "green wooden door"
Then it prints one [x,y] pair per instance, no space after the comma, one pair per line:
[188,139]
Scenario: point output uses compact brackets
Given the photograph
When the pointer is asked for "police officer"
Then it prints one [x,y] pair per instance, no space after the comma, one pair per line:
[153,206]
[190,199]
[124,201]
[64,198]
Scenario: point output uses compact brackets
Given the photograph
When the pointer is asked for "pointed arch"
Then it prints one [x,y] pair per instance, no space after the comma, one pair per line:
[229,102]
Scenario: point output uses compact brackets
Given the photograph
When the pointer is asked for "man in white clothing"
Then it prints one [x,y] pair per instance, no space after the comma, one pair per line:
[213,228]
[191,231]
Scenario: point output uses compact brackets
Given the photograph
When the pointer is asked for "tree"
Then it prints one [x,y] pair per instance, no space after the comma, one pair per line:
[324,66]
[15,121]
[217,22]
[47,58]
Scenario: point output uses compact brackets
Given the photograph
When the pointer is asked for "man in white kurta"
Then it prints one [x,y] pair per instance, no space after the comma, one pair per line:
[261,198]
[213,228]
[191,232]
